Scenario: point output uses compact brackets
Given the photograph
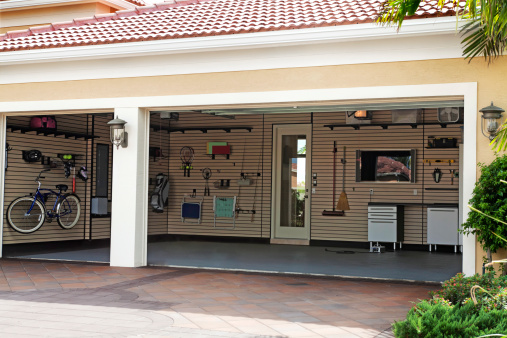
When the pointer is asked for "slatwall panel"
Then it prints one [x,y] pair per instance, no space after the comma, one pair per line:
[100,227]
[158,222]
[354,225]
[246,156]
[19,178]
[20,175]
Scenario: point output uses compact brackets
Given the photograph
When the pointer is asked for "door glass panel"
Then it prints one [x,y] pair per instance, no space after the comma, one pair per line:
[293,175]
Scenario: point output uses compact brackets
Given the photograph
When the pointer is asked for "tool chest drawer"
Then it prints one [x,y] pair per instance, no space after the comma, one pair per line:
[382,208]
[382,215]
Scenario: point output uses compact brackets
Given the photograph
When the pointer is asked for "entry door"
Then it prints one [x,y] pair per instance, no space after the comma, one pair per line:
[291,181]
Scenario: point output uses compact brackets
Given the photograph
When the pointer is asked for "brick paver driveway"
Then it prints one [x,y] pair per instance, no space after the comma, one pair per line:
[84,300]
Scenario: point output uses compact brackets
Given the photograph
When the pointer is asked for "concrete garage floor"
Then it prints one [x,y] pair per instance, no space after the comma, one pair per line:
[315,260]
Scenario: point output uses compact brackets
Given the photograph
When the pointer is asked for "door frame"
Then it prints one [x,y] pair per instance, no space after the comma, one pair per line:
[302,128]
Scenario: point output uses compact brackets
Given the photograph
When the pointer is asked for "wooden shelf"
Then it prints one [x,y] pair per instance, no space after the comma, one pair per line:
[441,148]
[386,125]
[201,129]
[66,134]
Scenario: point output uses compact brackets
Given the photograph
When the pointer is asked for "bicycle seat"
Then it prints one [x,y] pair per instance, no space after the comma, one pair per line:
[62,187]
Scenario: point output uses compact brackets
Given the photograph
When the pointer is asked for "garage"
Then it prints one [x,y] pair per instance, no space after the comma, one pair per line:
[263,189]
[70,218]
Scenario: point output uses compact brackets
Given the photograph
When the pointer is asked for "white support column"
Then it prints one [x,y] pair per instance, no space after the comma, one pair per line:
[129,214]
[3,123]
[469,173]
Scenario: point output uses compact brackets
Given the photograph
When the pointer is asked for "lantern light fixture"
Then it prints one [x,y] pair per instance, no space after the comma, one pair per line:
[489,120]
[437,175]
[119,137]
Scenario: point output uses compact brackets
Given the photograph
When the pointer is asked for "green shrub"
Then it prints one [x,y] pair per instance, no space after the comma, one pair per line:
[457,289]
[490,197]
[433,319]
[490,301]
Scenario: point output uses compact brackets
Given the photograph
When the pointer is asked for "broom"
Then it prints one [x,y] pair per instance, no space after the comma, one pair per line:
[343,203]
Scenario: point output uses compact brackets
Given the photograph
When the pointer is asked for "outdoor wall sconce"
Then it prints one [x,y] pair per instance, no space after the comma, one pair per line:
[363,115]
[489,120]
[119,136]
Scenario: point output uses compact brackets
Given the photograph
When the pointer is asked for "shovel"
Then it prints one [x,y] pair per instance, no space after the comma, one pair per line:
[343,203]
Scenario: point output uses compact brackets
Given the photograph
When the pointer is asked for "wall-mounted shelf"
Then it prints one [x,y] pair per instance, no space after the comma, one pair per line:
[442,189]
[201,129]
[213,156]
[386,125]
[66,134]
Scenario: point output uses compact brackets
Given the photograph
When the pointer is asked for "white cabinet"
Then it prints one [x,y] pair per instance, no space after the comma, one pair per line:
[385,223]
[443,226]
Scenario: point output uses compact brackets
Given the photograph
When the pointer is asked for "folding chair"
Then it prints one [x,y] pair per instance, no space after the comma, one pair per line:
[224,208]
[191,209]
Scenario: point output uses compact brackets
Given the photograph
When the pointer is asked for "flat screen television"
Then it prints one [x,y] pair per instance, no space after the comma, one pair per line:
[390,166]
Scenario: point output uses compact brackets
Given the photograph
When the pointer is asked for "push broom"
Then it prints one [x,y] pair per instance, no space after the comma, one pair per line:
[343,202]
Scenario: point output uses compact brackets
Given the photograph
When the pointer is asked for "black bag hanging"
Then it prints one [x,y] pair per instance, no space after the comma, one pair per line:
[158,197]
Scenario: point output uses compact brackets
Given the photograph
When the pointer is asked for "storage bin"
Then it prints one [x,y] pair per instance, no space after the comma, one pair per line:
[406,115]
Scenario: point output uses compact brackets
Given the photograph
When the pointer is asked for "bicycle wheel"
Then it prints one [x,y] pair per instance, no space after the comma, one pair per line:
[68,211]
[20,220]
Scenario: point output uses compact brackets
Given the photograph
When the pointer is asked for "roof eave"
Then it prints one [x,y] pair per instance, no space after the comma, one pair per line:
[14,5]
[342,33]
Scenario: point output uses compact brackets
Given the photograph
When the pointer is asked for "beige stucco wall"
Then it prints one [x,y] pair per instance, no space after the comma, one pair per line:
[23,18]
[491,79]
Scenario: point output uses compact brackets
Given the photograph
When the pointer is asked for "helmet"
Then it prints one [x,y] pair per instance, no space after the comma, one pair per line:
[83,173]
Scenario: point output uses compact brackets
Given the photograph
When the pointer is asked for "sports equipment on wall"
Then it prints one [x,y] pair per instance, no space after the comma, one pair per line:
[187,157]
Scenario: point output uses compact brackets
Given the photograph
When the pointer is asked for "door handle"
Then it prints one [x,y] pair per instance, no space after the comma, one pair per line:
[306,196]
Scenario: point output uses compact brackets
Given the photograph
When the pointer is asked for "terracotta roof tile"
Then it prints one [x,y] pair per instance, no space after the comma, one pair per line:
[197,18]
[137,2]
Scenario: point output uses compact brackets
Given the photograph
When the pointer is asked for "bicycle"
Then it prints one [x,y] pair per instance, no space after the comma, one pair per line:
[27,214]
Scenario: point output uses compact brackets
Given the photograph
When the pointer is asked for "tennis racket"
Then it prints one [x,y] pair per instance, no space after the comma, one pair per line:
[187,157]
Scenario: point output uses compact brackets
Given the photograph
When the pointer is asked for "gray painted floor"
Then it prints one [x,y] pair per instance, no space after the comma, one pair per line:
[405,265]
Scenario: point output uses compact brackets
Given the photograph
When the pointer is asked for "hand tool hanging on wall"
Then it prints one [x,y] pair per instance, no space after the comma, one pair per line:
[333,212]
[242,183]
[206,174]
[187,157]
[454,174]
[256,186]
[343,202]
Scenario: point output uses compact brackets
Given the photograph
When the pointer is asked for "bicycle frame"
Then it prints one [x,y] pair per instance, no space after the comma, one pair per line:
[42,197]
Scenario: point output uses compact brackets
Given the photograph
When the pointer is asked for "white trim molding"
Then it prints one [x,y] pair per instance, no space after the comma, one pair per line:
[358,32]
[440,92]
[395,49]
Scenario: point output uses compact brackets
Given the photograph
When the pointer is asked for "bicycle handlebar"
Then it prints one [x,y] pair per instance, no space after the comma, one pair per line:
[39,176]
